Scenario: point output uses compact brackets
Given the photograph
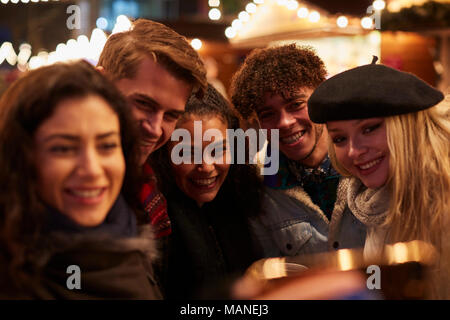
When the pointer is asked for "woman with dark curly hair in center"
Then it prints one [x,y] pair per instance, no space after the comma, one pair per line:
[209,205]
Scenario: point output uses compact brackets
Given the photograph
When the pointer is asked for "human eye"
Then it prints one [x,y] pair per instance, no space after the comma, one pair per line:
[297,106]
[172,116]
[108,146]
[337,139]
[62,149]
[371,128]
[266,115]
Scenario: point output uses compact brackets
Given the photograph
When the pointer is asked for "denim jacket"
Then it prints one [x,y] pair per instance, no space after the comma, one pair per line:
[290,224]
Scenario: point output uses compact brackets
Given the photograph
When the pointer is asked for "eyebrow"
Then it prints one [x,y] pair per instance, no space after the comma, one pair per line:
[71,137]
[150,103]
[288,101]
[336,130]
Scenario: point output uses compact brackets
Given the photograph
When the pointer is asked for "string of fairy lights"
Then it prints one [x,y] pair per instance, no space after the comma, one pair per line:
[90,48]
[25,1]
[303,12]
[80,48]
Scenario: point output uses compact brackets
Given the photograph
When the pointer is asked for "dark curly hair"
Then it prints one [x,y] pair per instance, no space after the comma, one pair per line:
[23,108]
[242,186]
[278,70]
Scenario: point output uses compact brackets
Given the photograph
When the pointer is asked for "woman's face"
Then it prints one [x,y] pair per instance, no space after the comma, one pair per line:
[361,148]
[201,182]
[79,159]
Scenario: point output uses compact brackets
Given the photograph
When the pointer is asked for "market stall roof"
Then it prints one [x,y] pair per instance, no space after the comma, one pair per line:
[273,21]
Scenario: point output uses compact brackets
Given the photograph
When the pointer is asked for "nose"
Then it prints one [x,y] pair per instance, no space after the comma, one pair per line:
[89,164]
[205,167]
[356,149]
[285,120]
[152,125]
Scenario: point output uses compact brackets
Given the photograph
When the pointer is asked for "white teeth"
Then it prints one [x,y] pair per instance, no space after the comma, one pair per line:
[370,164]
[293,138]
[204,182]
[86,193]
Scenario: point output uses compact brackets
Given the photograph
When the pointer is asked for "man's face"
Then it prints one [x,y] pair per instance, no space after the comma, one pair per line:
[157,100]
[298,135]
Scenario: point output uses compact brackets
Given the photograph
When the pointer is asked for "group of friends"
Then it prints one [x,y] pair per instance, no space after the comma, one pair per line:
[87,178]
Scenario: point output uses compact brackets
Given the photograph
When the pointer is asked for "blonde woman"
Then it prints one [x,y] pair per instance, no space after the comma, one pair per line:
[390,136]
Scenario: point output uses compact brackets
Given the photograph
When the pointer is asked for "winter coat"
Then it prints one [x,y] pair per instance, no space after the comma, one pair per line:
[109,268]
[290,224]
[209,246]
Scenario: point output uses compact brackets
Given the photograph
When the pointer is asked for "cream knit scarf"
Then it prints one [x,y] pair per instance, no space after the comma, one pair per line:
[368,205]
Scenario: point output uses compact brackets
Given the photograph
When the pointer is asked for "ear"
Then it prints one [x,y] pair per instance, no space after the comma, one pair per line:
[101,70]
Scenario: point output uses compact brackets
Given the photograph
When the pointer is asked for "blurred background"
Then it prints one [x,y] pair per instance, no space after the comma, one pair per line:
[410,35]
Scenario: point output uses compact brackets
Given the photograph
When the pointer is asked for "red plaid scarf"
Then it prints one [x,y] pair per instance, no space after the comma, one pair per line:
[155,204]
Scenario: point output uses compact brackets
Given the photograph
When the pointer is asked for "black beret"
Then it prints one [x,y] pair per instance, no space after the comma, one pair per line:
[370,91]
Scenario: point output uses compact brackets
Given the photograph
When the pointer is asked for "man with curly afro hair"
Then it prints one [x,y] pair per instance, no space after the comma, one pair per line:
[273,86]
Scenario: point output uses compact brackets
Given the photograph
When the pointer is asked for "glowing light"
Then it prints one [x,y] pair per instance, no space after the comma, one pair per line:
[379,4]
[214,14]
[214,3]
[375,37]
[196,44]
[394,6]
[35,62]
[314,16]
[258,1]
[366,23]
[282,2]
[342,22]
[292,4]
[250,8]
[96,43]
[302,12]
[101,23]
[230,32]
[244,16]
[25,1]
[14,1]
[24,54]
[237,24]
[122,24]
[4,1]
[345,260]
[5,51]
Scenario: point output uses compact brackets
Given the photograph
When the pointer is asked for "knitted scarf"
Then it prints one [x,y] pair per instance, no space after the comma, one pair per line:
[368,205]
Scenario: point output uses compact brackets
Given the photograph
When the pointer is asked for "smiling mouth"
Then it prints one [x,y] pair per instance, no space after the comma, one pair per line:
[370,164]
[92,193]
[293,138]
[206,182]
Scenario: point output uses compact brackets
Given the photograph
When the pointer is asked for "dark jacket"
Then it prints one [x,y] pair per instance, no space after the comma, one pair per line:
[113,260]
[208,247]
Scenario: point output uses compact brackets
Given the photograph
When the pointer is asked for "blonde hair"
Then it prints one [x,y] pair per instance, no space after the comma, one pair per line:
[419,145]
[419,177]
